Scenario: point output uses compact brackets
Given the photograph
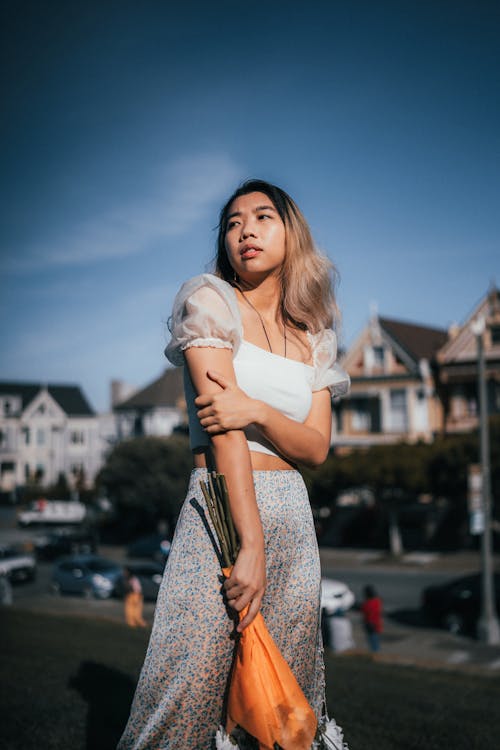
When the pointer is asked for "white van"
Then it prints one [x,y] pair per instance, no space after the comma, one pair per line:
[52,512]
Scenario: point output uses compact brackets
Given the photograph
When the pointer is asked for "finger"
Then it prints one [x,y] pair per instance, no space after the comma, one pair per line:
[219,378]
[242,601]
[204,413]
[216,429]
[233,588]
[250,615]
[203,400]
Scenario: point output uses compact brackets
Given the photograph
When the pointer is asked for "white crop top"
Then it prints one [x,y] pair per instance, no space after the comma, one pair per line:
[206,313]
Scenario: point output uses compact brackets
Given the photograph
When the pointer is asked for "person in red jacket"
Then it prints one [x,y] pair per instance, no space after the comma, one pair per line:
[371,609]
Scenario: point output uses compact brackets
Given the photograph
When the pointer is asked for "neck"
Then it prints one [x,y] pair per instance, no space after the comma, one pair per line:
[264,295]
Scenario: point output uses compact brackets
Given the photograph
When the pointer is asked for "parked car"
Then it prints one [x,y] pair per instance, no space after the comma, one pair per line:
[44,511]
[16,565]
[335,596]
[155,546]
[89,575]
[150,575]
[64,541]
[456,605]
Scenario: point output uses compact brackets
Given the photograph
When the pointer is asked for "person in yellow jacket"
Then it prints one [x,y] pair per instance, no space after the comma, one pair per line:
[133,600]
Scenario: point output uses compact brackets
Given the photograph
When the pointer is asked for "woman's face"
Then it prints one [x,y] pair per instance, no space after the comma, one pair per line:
[255,236]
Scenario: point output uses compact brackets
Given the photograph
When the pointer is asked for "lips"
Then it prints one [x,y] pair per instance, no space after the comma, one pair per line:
[250,251]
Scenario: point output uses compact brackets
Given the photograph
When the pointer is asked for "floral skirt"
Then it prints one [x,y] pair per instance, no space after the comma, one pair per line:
[178,704]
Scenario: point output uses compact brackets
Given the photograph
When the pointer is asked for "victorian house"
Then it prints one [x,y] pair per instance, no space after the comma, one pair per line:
[412,382]
[48,430]
[157,409]
[393,395]
[457,366]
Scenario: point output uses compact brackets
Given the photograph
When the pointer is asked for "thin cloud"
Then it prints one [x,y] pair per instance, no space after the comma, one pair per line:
[185,193]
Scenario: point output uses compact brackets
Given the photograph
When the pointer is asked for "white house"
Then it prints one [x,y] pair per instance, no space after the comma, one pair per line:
[46,430]
[157,409]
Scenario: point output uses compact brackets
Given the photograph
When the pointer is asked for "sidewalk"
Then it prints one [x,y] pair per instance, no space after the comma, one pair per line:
[429,648]
[413,644]
[457,563]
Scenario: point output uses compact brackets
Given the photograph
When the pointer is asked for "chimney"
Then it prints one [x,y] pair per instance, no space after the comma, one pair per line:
[120,391]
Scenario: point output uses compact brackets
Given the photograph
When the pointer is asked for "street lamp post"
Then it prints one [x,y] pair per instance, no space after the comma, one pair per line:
[488,629]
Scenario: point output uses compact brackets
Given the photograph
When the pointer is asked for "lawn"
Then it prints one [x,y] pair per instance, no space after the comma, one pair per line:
[67,683]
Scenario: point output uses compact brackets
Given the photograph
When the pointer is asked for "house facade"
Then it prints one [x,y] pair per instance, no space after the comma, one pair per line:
[393,395]
[412,382]
[157,409]
[457,367]
[48,430]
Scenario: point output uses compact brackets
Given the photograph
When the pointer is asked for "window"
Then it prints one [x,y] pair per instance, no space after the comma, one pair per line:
[361,418]
[378,357]
[495,334]
[40,436]
[77,437]
[27,435]
[398,412]
[9,405]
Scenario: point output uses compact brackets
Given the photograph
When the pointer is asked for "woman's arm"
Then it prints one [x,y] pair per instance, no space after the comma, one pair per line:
[247,582]
[230,408]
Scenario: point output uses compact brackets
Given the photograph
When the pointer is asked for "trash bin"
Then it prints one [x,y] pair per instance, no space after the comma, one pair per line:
[337,631]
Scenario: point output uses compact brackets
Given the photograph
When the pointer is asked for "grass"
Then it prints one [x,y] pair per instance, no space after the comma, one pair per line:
[67,683]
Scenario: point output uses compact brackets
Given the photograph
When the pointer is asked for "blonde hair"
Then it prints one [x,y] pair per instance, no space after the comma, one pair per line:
[307,277]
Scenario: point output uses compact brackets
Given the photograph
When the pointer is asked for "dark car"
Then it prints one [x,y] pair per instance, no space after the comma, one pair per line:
[16,564]
[155,546]
[150,575]
[89,575]
[65,541]
[456,605]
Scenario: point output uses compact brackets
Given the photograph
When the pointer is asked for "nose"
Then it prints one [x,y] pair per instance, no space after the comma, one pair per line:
[247,229]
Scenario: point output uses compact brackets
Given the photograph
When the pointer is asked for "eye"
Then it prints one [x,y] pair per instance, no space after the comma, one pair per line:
[231,224]
[264,216]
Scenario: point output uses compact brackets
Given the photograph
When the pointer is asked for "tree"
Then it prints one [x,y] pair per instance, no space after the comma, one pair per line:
[146,478]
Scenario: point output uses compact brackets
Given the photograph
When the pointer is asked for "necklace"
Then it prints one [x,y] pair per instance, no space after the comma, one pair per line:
[263,325]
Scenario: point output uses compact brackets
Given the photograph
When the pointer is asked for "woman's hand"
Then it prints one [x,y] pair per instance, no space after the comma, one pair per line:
[229,409]
[247,583]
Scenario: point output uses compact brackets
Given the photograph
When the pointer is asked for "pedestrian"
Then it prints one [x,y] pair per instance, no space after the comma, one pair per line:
[133,600]
[259,351]
[371,610]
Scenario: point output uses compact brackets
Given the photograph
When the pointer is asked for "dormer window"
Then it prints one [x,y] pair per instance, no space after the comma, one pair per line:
[9,406]
[378,357]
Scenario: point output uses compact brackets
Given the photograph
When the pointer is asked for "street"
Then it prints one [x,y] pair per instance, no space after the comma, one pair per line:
[407,637]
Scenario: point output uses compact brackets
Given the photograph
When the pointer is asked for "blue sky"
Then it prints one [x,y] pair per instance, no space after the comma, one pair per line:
[125,126]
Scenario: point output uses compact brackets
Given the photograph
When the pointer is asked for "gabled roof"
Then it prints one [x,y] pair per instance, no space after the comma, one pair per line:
[167,390]
[69,397]
[462,346]
[419,342]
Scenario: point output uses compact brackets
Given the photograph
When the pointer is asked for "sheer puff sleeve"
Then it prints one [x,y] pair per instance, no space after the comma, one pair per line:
[327,373]
[205,313]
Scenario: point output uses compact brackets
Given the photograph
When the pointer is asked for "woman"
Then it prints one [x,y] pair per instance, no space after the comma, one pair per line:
[133,600]
[259,355]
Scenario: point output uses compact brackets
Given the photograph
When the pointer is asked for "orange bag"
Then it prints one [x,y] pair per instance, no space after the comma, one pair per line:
[264,697]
